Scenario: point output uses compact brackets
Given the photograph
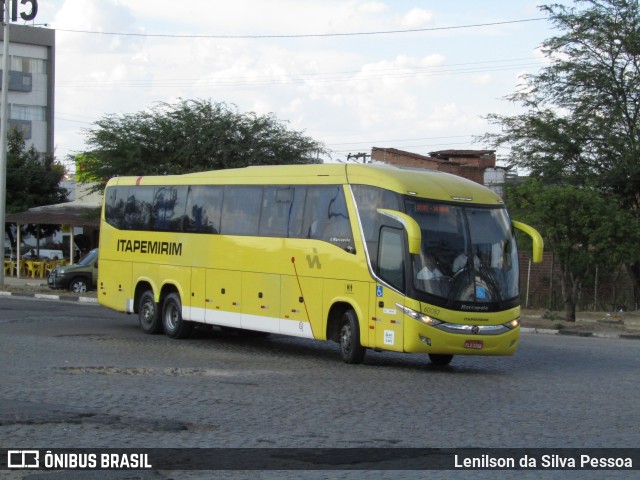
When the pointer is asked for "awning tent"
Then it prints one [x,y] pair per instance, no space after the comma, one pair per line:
[61,214]
[82,212]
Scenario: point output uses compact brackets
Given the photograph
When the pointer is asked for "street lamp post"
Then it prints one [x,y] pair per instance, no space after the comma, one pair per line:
[4,120]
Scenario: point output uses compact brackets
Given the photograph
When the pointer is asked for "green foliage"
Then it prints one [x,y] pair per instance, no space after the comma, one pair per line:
[552,148]
[581,227]
[189,136]
[33,179]
[578,224]
[581,127]
[582,119]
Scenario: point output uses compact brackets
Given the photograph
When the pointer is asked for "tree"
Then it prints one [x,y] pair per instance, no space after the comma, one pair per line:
[581,227]
[33,179]
[581,124]
[189,136]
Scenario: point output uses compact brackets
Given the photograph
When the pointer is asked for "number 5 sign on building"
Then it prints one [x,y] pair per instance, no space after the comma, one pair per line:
[25,14]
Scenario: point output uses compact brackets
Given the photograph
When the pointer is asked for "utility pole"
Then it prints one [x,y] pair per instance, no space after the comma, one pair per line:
[4,120]
[358,156]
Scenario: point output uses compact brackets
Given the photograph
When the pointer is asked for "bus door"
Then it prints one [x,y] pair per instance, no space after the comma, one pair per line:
[386,326]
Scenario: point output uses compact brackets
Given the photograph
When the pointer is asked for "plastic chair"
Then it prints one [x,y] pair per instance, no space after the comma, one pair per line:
[49,266]
[34,268]
[8,267]
[39,265]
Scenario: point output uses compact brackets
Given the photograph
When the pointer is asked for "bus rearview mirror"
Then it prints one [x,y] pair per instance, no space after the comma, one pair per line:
[538,243]
[411,227]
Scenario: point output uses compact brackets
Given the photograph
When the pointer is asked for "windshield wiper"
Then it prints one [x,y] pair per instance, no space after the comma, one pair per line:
[492,282]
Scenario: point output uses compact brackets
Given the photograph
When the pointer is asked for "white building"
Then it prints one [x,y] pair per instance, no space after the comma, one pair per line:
[31,83]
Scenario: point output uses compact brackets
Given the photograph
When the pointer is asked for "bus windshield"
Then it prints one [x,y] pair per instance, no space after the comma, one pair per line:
[468,254]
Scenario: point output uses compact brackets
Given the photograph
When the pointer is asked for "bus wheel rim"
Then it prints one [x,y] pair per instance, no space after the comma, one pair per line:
[147,313]
[345,339]
[172,317]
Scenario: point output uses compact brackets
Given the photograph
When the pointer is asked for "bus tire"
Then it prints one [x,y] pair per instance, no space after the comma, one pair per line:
[172,322]
[148,313]
[440,359]
[350,348]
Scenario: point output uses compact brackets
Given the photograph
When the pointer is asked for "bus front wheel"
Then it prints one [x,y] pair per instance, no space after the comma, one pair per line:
[172,322]
[440,359]
[148,313]
[350,348]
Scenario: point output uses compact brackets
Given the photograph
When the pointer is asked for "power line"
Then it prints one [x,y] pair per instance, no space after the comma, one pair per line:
[307,35]
[415,148]
[320,77]
[63,119]
[401,140]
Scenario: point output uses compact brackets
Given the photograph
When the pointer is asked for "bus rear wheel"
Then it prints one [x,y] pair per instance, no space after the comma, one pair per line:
[172,321]
[440,359]
[148,313]
[350,348]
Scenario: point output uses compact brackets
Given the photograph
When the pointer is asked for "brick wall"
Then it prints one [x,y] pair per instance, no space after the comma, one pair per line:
[469,164]
[544,290]
[393,156]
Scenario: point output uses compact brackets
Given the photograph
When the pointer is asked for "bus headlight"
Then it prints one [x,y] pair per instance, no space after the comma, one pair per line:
[512,324]
[420,317]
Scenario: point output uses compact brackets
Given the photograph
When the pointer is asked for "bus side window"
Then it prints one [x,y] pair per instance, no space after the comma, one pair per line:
[241,210]
[296,216]
[391,256]
[168,211]
[326,216]
[138,206]
[203,208]
[114,206]
[275,203]
[369,200]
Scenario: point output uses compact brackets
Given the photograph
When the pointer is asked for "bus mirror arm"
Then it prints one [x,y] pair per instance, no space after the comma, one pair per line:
[538,243]
[411,227]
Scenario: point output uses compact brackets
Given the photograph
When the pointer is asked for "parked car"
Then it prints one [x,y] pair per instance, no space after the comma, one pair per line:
[78,278]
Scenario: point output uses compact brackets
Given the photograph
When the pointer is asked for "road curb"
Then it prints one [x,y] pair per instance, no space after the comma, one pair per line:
[580,333]
[540,331]
[46,296]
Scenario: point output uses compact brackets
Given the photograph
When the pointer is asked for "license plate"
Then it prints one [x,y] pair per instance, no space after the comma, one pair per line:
[474,344]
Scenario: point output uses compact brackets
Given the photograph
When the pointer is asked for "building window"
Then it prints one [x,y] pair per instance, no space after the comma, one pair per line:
[28,112]
[28,65]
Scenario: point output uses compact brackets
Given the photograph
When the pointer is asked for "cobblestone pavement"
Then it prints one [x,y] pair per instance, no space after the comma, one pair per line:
[78,375]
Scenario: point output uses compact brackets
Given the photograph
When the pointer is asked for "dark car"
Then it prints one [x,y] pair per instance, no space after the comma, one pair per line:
[79,277]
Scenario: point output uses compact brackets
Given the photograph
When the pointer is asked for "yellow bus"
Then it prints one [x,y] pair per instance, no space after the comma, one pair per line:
[370,257]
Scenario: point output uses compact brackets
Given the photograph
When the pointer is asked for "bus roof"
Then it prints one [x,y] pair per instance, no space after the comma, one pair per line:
[413,181]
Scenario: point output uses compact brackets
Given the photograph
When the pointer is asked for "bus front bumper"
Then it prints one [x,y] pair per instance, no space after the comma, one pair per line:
[459,340]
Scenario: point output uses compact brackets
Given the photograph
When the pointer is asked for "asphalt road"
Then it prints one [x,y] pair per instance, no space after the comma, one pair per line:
[79,375]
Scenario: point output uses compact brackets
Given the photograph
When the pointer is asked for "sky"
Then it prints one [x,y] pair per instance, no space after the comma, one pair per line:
[321,66]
